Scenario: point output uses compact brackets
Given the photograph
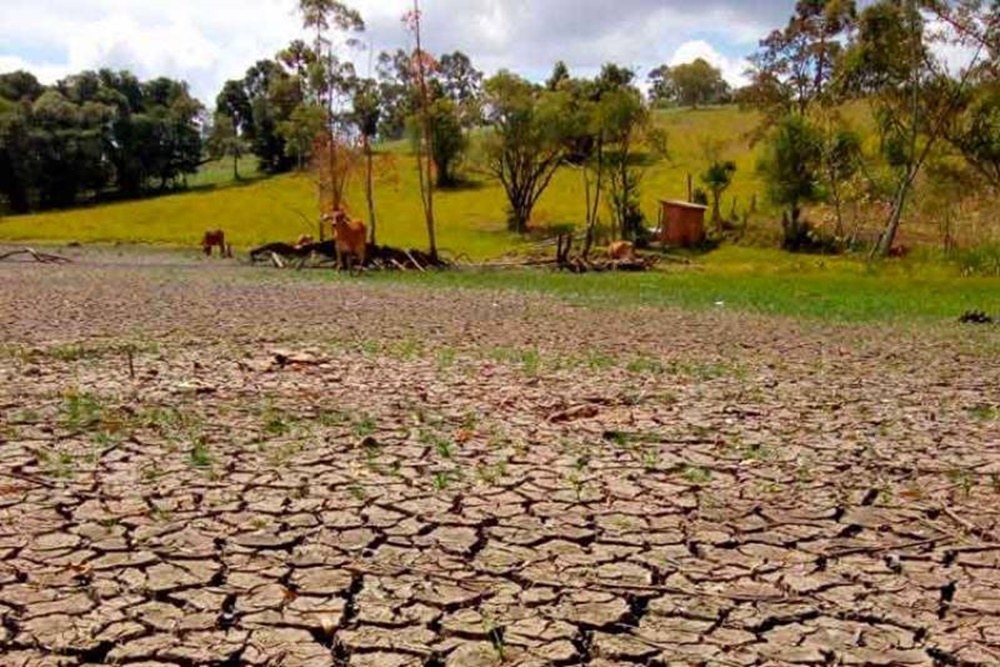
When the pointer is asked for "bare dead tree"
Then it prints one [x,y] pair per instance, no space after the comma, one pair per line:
[425,163]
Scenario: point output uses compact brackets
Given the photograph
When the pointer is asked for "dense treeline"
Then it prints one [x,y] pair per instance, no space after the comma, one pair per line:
[94,135]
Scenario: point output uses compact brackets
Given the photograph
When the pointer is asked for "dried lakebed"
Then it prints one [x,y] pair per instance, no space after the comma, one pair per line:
[215,467]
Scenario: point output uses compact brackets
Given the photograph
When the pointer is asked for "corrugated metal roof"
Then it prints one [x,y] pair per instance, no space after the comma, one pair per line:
[683,204]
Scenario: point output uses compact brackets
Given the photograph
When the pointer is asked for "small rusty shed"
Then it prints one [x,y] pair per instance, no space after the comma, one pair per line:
[681,224]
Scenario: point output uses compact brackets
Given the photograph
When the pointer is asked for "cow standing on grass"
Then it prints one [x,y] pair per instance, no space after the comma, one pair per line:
[350,238]
[216,239]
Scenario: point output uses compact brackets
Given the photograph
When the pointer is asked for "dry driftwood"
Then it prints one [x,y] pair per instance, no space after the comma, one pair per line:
[40,257]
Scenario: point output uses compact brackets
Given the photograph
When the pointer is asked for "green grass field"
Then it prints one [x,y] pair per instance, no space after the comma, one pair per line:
[754,280]
[471,221]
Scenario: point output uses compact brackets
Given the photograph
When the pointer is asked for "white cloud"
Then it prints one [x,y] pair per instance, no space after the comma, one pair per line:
[203,43]
[955,54]
[733,69]
[208,41]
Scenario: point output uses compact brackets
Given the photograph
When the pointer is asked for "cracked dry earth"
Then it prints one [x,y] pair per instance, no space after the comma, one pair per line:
[300,472]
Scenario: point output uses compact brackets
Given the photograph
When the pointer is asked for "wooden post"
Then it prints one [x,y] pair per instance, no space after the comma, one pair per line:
[661,224]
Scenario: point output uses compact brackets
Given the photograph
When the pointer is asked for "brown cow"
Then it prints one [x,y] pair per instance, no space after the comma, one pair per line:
[215,239]
[622,251]
[351,239]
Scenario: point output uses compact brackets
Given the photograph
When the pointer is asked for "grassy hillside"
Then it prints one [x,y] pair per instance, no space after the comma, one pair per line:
[470,220]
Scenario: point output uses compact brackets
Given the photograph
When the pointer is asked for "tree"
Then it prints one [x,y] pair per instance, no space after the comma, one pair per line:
[842,160]
[233,108]
[604,123]
[397,92]
[717,178]
[326,75]
[628,125]
[560,75]
[366,115]
[225,141]
[234,103]
[698,83]
[462,83]
[93,132]
[890,63]
[328,79]
[796,73]
[976,133]
[791,170]
[273,97]
[526,145]
[175,117]
[976,23]
[662,90]
[20,86]
[796,66]
[19,166]
[583,137]
[423,65]
[448,142]
[300,130]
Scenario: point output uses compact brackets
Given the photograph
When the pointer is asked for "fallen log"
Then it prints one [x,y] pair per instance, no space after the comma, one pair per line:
[40,257]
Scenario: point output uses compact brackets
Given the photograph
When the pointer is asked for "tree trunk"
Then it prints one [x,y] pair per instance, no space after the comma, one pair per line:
[520,213]
[896,216]
[838,207]
[716,212]
[592,212]
[236,167]
[426,177]
[370,188]
[888,237]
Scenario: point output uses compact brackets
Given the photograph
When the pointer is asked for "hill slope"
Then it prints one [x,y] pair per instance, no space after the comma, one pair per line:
[470,220]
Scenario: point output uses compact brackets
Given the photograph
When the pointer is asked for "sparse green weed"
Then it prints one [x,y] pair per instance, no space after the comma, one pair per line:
[697,475]
[201,455]
[985,413]
[81,410]
[446,357]
[364,426]
[645,366]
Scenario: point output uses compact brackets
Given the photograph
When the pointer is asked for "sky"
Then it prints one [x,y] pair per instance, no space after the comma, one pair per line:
[206,42]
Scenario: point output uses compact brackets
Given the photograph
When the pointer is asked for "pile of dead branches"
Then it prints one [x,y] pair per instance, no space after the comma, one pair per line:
[377,258]
[388,258]
[583,264]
